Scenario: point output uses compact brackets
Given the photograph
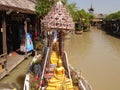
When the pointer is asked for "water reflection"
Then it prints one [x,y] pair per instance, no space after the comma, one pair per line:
[98,56]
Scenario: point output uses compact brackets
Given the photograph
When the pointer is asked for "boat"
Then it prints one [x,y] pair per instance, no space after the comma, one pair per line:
[35,81]
[51,69]
[78,32]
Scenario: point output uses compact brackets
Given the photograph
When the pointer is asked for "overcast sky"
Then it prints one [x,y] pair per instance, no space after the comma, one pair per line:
[100,6]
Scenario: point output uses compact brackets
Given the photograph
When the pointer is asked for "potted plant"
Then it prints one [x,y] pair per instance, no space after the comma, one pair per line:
[79,30]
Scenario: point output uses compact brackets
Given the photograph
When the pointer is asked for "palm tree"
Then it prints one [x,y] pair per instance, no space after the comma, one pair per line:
[72,10]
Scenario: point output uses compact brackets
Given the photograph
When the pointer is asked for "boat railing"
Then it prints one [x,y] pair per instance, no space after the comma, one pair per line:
[46,58]
[27,82]
[84,84]
[67,65]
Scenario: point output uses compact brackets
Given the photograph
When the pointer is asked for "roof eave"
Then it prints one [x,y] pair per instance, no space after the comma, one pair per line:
[17,9]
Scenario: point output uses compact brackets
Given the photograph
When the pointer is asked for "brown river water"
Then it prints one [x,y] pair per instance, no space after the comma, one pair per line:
[17,75]
[95,53]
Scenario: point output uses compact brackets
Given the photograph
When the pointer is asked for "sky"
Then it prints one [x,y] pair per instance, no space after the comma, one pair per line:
[100,6]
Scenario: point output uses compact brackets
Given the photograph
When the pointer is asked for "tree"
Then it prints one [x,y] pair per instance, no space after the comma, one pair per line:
[115,15]
[72,10]
[43,7]
[64,2]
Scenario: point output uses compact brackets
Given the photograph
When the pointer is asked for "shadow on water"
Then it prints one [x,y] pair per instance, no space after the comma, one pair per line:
[20,81]
[114,35]
[10,82]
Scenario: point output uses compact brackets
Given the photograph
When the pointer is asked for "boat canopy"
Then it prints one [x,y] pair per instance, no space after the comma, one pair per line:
[58,18]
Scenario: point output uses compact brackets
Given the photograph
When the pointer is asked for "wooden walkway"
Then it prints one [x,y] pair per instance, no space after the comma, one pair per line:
[12,62]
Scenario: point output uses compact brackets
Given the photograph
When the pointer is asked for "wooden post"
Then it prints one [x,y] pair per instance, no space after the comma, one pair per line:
[50,38]
[4,39]
[4,34]
[35,28]
[61,43]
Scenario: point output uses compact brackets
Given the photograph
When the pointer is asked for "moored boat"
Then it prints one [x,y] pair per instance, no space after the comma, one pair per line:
[51,71]
[41,82]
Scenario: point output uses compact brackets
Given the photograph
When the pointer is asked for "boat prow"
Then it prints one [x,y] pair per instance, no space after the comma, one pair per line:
[27,82]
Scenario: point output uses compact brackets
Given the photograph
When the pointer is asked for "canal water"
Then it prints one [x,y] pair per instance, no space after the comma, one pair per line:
[97,55]
[17,75]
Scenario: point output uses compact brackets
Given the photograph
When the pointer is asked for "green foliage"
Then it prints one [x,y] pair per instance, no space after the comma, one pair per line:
[91,16]
[36,62]
[64,2]
[33,83]
[43,7]
[115,15]
[78,27]
[84,16]
[38,45]
[79,15]
[72,10]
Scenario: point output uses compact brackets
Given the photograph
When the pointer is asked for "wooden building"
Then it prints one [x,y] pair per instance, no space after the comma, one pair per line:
[112,27]
[98,20]
[13,15]
[16,18]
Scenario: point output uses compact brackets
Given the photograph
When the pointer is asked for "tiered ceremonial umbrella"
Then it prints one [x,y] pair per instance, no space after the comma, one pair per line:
[58,18]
